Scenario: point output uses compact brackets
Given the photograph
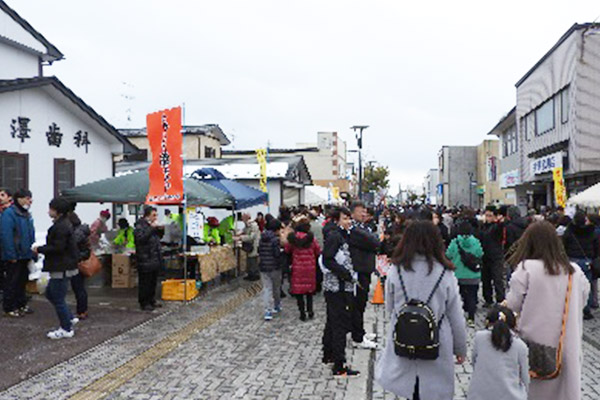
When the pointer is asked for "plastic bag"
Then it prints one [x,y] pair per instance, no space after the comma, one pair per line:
[42,282]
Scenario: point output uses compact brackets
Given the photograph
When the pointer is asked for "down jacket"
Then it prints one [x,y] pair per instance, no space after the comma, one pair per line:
[304,249]
[269,251]
[147,246]
[60,251]
[17,234]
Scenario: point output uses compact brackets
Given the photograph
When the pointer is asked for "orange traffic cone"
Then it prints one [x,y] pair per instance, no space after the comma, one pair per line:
[378,295]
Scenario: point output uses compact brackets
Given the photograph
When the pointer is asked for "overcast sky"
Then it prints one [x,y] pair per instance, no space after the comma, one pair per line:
[422,74]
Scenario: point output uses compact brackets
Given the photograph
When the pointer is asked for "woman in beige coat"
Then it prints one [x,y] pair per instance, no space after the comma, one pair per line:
[538,289]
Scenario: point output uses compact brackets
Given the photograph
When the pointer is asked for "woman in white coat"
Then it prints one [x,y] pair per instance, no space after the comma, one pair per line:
[538,289]
[421,261]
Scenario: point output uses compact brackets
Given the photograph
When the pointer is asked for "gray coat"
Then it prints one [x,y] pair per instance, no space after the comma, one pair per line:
[436,377]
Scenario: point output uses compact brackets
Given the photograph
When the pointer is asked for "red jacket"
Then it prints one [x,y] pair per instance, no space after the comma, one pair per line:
[304,250]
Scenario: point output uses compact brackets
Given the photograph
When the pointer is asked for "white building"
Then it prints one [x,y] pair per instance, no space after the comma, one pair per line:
[430,187]
[50,138]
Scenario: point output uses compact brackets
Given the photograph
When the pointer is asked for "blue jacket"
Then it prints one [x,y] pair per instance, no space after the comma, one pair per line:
[17,234]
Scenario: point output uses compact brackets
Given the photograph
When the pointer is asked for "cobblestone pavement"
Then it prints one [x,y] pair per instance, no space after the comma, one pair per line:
[235,355]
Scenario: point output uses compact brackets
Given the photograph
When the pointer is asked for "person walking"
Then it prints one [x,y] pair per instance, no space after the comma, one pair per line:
[98,228]
[338,287]
[500,360]
[81,234]
[493,273]
[466,253]
[250,238]
[420,271]
[60,260]
[304,250]
[269,250]
[17,235]
[149,257]
[581,244]
[541,281]
[364,246]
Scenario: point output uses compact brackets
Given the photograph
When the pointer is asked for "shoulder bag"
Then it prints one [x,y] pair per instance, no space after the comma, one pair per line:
[90,267]
[593,264]
[545,362]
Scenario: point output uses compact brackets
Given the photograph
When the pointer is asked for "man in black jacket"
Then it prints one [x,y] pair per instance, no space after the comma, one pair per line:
[147,235]
[492,271]
[363,248]
[515,227]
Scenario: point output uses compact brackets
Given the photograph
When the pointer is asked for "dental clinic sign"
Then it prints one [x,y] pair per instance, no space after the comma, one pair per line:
[547,163]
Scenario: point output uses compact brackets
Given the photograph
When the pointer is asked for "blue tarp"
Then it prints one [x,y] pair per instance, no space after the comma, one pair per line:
[245,196]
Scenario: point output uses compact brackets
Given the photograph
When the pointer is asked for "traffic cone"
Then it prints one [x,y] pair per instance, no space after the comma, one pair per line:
[378,295]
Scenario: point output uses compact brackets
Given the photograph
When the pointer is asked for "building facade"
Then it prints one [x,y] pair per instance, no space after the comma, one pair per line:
[457,176]
[50,138]
[509,158]
[558,117]
[430,186]
[489,190]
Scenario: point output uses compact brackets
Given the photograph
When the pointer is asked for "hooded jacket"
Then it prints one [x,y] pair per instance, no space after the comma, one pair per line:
[471,245]
[304,249]
[269,251]
[17,234]
[514,230]
[581,241]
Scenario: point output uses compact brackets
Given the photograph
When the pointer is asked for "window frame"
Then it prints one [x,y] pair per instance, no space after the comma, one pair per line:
[564,115]
[57,163]
[550,100]
[23,156]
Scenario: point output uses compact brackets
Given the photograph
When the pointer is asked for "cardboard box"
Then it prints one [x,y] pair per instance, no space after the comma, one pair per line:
[124,274]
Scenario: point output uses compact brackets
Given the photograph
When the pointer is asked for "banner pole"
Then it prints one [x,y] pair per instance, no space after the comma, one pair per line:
[185,216]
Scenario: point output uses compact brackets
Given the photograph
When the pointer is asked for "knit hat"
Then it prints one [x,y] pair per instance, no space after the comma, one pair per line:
[105,214]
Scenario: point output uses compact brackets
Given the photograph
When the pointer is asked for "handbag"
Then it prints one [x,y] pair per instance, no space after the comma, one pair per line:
[90,267]
[247,247]
[545,362]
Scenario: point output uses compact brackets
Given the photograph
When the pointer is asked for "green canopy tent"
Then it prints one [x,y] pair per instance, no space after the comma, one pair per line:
[133,188]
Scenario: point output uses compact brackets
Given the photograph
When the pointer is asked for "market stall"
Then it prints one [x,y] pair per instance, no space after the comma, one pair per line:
[589,198]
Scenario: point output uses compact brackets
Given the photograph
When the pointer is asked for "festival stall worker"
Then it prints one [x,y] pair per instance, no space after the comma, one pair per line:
[211,231]
[149,257]
[60,260]
[226,229]
[17,235]
[125,236]
[98,228]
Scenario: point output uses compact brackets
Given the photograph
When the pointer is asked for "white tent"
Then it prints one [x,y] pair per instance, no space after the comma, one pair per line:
[318,195]
[590,197]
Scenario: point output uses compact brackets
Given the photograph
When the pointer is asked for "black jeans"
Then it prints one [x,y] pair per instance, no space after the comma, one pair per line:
[2,273]
[147,287]
[469,297]
[493,279]
[305,308]
[337,325]
[78,286]
[359,305]
[14,285]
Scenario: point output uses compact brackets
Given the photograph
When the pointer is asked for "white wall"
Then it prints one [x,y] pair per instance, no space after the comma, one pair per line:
[43,110]
[15,32]
[15,63]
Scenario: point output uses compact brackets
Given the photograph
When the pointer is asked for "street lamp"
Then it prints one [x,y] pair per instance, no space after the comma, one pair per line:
[358,136]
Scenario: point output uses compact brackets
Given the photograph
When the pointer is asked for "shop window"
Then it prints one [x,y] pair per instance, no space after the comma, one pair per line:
[64,175]
[14,171]
[564,105]
[544,118]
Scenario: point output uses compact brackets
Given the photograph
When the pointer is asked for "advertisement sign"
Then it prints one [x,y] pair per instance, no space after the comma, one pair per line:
[166,169]
[560,191]
[492,169]
[547,163]
[261,157]
[510,179]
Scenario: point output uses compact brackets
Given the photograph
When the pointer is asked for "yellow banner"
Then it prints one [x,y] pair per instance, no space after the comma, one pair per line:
[560,191]
[261,157]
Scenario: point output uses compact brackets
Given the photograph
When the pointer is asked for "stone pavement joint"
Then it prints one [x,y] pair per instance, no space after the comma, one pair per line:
[115,379]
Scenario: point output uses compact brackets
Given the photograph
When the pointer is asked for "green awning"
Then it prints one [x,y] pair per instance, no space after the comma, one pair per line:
[133,188]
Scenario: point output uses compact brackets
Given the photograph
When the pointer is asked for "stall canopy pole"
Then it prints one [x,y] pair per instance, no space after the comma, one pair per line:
[184,208]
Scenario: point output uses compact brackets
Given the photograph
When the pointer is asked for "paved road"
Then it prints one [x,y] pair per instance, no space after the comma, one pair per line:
[220,348]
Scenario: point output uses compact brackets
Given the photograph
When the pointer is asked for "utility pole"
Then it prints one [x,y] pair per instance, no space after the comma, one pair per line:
[358,135]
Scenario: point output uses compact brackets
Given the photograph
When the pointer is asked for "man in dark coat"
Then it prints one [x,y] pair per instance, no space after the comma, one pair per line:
[17,235]
[147,235]
[364,245]
[515,227]
[492,272]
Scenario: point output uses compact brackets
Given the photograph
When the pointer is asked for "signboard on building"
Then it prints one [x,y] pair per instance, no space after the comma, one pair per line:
[492,168]
[510,179]
[547,163]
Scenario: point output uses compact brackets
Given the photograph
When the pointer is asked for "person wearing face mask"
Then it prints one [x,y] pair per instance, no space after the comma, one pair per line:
[61,256]
[16,238]
[147,234]
[98,228]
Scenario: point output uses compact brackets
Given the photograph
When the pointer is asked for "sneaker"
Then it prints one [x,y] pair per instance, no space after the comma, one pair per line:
[277,310]
[311,315]
[60,333]
[147,308]
[370,336]
[345,373]
[302,317]
[588,315]
[13,314]
[74,321]
[268,315]
[25,310]
[471,323]
[157,305]
[366,344]
[327,360]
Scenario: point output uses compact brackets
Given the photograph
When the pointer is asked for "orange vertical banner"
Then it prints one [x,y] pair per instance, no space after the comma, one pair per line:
[166,169]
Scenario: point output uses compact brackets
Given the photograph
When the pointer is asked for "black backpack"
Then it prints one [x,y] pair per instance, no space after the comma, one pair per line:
[469,260]
[416,334]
